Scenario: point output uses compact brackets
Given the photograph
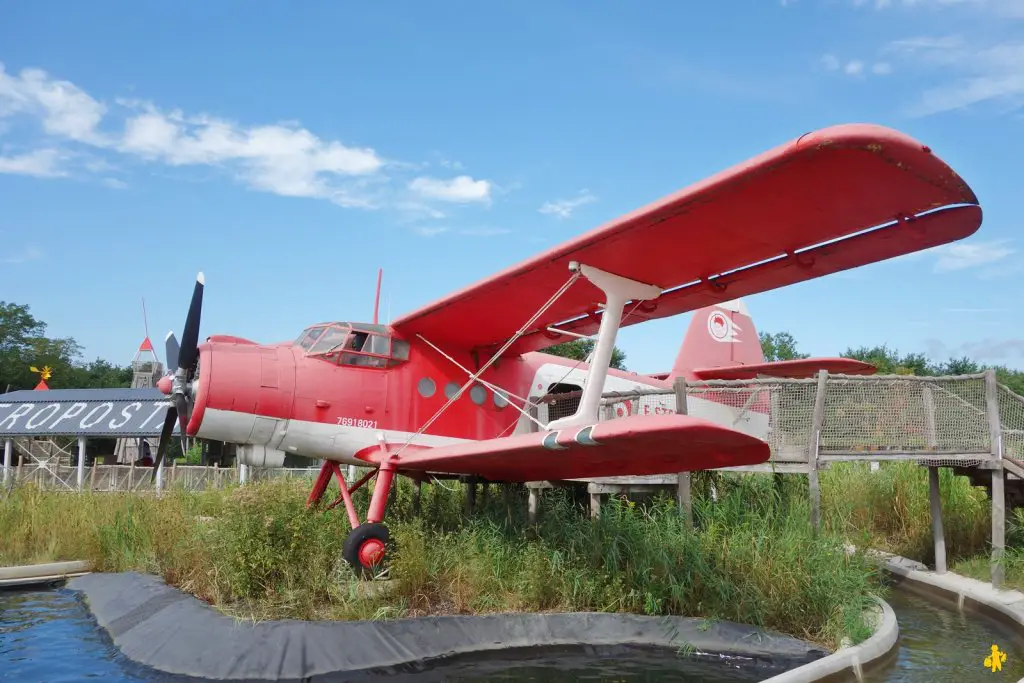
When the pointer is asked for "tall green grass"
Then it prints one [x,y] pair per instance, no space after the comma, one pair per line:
[889,510]
[257,552]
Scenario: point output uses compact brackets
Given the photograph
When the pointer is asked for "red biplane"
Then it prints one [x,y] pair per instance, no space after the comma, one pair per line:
[448,388]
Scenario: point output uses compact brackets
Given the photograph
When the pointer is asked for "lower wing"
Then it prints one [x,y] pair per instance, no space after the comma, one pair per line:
[639,445]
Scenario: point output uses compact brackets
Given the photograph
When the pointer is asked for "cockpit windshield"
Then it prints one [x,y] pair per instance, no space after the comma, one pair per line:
[359,344]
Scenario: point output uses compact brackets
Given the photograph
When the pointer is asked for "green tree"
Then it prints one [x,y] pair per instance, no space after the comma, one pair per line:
[890,362]
[779,346]
[23,343]
[579,349]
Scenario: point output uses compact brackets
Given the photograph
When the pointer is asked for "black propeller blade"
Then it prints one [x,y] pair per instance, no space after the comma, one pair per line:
[190,335]
[185,358]
[171,347]
[165,440]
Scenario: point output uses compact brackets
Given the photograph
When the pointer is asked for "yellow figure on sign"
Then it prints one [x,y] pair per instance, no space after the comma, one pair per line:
[44,374]
[995,660]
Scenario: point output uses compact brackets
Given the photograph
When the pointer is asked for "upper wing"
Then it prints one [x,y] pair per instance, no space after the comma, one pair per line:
[799,368]
[643,444]
[760,225]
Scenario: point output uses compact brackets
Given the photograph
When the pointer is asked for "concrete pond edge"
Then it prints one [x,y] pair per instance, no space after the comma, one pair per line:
[50,572]
[851,661]
[162,628]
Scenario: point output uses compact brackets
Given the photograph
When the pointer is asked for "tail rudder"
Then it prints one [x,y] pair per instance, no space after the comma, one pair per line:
[722,335]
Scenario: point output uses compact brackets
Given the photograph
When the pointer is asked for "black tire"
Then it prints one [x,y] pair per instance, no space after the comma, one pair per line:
[370,531]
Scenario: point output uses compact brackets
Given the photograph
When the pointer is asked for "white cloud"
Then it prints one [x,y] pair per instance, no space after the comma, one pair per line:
[964,255]
[115,184]
[41,163]
[65,110]
[986,258]
[429,231]
[460,189]
[854,67]
[976,310]
[435,230]
[563,208]
[994,73]
[286,160]
[22,256]
[281,158]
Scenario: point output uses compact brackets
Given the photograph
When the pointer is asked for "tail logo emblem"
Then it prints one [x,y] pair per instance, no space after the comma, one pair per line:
[722,328]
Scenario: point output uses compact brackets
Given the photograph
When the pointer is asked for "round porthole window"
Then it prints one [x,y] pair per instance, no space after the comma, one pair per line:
[500,399]
[426,387]
[450,390]
[478,394]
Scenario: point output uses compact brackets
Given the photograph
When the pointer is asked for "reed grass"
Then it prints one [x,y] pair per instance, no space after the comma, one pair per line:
[257,553]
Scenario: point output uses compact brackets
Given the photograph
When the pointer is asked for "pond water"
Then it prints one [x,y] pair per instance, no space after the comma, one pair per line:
[48,635]
[939,643]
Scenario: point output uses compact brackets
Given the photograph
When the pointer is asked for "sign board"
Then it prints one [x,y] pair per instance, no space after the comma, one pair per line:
[85,412]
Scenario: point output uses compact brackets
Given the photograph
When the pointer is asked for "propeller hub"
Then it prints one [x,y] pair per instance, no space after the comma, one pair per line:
[165,384]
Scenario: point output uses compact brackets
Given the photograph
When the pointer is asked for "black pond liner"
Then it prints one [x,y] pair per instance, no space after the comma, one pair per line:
[623,664]
[159,627]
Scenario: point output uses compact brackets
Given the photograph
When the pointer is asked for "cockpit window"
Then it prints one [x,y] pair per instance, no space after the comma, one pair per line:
[309,337]
[356,344]
[333,337]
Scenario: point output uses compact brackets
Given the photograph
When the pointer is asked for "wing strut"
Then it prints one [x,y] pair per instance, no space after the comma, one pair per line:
[617,291]
[475,377]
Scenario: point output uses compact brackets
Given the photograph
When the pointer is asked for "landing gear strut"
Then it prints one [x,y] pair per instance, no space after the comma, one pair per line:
[366,544]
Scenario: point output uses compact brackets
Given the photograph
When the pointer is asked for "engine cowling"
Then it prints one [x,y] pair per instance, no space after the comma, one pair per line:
[258,455]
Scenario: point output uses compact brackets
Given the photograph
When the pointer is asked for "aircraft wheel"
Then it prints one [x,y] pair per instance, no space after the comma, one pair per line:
[364,548]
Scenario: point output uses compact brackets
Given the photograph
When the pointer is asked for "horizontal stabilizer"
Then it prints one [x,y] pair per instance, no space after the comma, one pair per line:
[638,445]
[794,369]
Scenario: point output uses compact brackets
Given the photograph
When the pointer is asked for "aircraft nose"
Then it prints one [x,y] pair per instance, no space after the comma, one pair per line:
[238,382]
[198,388]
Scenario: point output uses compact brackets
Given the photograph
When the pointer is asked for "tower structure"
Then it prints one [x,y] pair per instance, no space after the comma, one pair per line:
[146,371]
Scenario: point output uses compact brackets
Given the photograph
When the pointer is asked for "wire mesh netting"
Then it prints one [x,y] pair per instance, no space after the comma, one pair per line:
[884,415]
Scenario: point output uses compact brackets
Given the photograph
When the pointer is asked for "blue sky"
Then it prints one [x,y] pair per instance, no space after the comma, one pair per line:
[290,150]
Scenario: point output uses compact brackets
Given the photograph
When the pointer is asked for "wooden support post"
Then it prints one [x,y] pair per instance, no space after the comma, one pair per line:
[595,505]
[81,462]
[813,446]
[92,476]
[534,504]
[684,492]
[417,497]
[470,495]
[995,434]
[934,494]
[937,533]
[8,455]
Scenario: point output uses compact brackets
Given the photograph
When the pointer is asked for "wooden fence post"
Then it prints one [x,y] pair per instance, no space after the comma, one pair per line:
[813,446]
[934,494]
[995,435]
[684,492]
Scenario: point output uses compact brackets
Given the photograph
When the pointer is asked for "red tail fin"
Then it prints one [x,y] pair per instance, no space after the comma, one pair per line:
[724,336]
[718,336]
